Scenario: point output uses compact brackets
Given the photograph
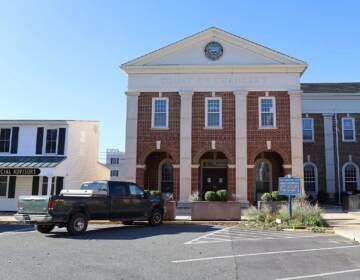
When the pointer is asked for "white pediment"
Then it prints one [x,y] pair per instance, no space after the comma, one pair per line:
[239,55]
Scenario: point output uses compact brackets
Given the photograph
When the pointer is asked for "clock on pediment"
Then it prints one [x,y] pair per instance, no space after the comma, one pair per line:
[213,50]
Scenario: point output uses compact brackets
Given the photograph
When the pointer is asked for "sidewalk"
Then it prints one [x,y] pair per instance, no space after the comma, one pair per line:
[344,224]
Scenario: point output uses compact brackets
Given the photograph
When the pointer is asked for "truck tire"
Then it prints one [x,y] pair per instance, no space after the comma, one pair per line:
[128,223]
[156,217]
[77,224]
[44,228]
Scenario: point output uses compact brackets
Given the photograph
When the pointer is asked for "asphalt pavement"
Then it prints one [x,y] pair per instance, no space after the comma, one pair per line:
[175,252]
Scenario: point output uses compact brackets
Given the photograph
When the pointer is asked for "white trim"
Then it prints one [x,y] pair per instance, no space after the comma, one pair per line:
[310,163]
[206,113]
[354,129]
[273,99]
[312,140]
[343,174]
[154,99]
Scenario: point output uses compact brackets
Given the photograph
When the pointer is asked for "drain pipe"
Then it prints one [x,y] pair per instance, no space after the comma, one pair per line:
[337,156]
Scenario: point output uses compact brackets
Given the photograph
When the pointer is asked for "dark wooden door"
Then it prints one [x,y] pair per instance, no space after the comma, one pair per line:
[213,179]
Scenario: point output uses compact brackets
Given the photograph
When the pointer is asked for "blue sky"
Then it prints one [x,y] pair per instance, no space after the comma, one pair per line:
[60,59]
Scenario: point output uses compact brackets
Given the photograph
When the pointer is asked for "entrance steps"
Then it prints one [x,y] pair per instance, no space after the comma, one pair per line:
[183,209]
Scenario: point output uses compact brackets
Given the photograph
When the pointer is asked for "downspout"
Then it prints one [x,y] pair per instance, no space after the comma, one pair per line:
[337,157]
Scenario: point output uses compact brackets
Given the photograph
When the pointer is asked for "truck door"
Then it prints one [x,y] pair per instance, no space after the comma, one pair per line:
[120,200]
[140,205]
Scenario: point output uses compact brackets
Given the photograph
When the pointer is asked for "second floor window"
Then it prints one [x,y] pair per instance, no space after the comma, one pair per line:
[5,140]
[114,160]
[348,129]
[213,112]
[267,112]
[308,129]
[51,140]
[160,112]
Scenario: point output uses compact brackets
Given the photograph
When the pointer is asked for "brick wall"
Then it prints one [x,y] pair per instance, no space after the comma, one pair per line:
[316,149]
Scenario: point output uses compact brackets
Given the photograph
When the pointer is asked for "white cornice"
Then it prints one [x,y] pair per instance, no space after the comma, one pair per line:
[332,95]
[181,69]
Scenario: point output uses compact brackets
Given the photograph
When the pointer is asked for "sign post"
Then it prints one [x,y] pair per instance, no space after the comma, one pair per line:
[289,186]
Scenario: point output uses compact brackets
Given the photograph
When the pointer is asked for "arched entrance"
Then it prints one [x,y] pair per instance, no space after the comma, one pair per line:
[213,172]
[159,172]
[268,168]
[166,181]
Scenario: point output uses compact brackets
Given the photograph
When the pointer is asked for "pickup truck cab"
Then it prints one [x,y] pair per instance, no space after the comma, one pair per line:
[99,200]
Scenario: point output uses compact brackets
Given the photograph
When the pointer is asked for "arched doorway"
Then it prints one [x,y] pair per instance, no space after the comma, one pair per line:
[213,172]
[263,180]
[268,168]
[166,177]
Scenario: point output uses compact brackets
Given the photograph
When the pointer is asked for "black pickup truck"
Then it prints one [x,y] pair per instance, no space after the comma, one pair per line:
[99,200]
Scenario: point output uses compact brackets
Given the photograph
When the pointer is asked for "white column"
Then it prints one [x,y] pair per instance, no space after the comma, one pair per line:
[297,163]
[131,135]
[49,185]
[241,146]
[329,154]
[185,146]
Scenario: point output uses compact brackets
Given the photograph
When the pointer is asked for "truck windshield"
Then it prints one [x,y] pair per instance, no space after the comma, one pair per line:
[96,186]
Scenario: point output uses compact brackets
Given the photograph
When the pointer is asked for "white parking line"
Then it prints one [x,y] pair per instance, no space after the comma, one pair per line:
[234,233]
[266,253]
[320,274]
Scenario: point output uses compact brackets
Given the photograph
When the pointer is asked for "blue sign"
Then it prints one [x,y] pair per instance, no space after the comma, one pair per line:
[290,186]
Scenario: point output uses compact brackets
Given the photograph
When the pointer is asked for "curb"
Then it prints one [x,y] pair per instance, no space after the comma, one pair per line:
[347,234]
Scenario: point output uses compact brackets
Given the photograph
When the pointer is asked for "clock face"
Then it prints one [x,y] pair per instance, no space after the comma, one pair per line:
[213,50]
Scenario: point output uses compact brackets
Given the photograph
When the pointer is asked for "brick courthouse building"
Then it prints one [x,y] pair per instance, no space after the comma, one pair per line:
[217,111]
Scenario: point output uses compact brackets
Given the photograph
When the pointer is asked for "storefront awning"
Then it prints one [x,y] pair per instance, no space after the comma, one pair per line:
[30,161]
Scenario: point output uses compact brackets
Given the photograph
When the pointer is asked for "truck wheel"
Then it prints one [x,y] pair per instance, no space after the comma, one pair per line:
[44,228]
[156,217]
[128,223]
[77,224]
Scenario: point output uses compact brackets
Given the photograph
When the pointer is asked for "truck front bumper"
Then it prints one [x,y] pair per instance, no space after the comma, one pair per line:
[33,218]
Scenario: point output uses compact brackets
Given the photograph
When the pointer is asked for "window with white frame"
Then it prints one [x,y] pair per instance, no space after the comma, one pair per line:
[267,112]
[213,112]
[114,173]
[350,177]
[348,129]
[308,129]
[3,185]
[114,160]
[51,141]
[160,112]
[5,134]
[310,177]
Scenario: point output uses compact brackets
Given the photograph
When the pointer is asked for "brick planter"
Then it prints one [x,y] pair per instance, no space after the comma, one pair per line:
[170,210]
[215,210]
[274,205]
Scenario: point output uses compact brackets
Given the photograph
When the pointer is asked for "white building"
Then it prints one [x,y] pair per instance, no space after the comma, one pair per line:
[115,161]
[41,157]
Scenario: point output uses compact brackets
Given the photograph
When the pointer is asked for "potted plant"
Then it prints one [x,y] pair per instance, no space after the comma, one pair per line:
[216,207]
[169,203]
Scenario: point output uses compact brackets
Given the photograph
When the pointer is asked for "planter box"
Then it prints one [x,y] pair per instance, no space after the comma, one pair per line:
[351,202]
[274,205]
[170,210]
[215,210]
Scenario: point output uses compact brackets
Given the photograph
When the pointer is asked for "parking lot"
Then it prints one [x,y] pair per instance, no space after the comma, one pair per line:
[175,252]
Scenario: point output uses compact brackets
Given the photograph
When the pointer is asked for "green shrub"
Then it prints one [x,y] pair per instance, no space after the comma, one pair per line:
[223,195]
[277,197]
[211,196]
[195,196]
[266,197]
[251,214]
[155,193]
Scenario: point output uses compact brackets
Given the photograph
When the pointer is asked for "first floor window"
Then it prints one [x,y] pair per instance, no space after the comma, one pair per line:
[348,129]
[51,140]
[114,173]
[267,112]
[44,186]
[5,140]
[310,177]
[160,112]
[213,112]
[350,177]
[308,129]
[3,185]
